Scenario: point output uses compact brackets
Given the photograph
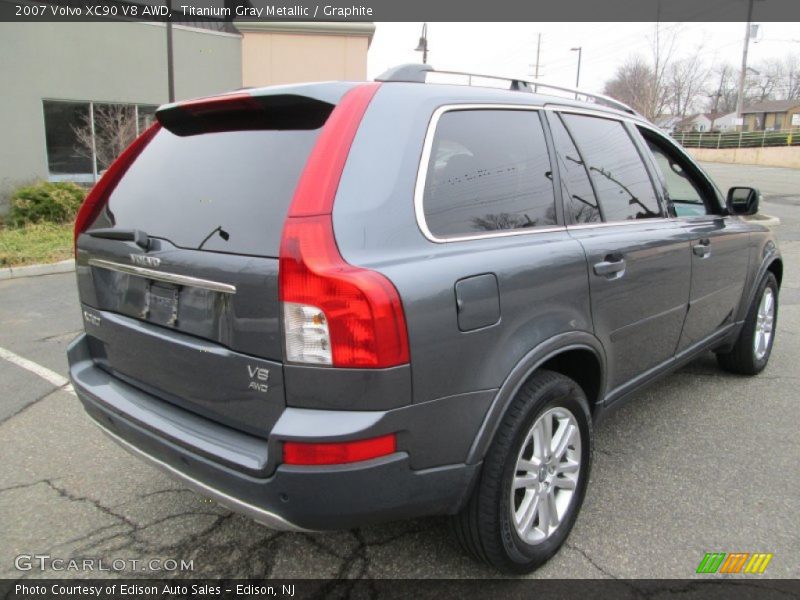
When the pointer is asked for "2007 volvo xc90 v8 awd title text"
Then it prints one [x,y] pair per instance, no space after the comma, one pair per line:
[333,304]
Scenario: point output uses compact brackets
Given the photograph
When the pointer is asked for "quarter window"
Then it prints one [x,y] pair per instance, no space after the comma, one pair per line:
[684,194]
[489,171]
[620,179]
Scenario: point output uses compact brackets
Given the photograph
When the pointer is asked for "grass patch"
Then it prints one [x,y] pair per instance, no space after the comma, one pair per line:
[35,243]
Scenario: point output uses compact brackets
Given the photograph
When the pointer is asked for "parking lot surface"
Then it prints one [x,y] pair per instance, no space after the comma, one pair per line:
[702,461]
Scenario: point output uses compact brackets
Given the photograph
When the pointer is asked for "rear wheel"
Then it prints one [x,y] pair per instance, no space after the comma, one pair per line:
[533,479]
[751,352]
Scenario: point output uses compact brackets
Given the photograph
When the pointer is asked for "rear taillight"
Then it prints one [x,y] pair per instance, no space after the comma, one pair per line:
[96,199]
[334,313]
[337,453]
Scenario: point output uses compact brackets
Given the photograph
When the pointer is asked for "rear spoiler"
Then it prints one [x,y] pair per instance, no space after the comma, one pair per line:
[282,107]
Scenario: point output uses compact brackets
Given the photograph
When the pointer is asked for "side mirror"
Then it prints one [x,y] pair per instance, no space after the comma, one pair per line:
[742,201]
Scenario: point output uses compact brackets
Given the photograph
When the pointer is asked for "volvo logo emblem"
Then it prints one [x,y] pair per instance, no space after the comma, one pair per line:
[145,261]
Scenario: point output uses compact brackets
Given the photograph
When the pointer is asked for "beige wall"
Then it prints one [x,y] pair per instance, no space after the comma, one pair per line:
[270,58]
[784,156]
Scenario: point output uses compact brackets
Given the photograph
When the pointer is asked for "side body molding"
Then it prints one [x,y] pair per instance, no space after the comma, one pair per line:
[572,340]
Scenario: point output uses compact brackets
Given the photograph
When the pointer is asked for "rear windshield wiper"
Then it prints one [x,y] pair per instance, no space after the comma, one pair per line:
[139,237]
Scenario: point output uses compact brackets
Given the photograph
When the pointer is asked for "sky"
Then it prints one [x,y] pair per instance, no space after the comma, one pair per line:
[510,48]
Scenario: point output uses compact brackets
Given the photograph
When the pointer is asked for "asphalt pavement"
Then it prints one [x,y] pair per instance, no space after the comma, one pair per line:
[702,461]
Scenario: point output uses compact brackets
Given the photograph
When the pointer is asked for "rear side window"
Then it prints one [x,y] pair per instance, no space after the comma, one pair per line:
[619,176]
[581,204]
[225,192]
[489,171]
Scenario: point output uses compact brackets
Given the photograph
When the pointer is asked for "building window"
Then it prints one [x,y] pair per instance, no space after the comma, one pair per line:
[61,119]
[84,137]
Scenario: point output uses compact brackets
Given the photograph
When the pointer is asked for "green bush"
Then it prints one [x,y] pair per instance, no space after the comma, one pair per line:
[45,202]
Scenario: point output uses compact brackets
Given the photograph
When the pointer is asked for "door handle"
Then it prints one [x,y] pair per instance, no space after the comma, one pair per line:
[702,248]
[613,267]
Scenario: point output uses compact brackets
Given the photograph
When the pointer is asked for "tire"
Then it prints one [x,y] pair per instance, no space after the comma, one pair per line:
[746,357]
[487,526]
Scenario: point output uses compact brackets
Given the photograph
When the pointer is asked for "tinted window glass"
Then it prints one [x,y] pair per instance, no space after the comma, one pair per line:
[617,171]
[684,194]
[489,170]
[64,123]
[184,188]
[580,202]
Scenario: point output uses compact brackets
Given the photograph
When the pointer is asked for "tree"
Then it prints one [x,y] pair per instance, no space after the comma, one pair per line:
[685,82]
[114,130]
[633,84]
[723,89]
[642,83]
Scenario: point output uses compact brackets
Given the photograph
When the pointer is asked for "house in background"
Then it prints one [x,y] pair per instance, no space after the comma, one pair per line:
[278,52]
[723,121]
[667,123]
[693,123]
[60,77]
[772,115]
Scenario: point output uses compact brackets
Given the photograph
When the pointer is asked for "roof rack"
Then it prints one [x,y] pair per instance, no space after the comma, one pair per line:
[416,73]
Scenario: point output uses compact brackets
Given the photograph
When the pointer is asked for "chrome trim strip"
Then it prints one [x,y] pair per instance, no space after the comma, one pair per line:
[422,174]
[207,284]
[260,515]
[603,114]
[422,171]
[621,223]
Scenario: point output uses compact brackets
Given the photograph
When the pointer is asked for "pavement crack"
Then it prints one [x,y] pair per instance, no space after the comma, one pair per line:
[591,560]
[31,403]
[64,493]
[21,486]
[59,335]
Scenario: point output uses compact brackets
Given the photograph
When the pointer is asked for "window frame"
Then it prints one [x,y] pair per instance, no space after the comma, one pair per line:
[92,176]
[422,174]
[693,169]
[629,127]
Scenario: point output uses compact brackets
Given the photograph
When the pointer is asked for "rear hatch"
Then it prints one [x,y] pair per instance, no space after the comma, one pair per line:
[178,274]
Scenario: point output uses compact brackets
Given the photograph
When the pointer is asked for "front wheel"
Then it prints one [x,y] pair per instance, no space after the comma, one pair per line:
[533,479]
[752,349]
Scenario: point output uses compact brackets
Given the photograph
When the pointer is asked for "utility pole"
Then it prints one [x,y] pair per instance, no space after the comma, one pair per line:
[743,72]
[718,95]
[579,50]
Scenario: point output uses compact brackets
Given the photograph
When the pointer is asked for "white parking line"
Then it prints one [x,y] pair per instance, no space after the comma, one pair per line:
[50,376]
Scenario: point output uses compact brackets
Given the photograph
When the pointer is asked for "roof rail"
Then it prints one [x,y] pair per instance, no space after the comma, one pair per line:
[416,73]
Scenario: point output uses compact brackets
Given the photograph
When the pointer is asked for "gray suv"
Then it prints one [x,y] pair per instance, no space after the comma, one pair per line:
[334,304]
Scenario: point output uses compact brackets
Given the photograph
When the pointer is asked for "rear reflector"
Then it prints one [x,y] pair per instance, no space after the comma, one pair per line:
[303,453]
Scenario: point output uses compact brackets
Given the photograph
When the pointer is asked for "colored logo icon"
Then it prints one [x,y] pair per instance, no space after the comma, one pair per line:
[734,562]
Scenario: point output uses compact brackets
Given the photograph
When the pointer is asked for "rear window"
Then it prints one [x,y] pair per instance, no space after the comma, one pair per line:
[223,192]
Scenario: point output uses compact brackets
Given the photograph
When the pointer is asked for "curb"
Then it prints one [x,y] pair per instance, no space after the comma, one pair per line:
[65,266]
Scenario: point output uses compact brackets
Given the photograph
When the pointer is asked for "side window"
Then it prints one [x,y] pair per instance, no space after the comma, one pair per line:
[580,201]
[684,193]
[620,179]
[489,170]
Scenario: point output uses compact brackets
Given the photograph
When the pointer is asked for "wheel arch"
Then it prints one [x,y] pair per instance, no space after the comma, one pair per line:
[564,353]
[771,263]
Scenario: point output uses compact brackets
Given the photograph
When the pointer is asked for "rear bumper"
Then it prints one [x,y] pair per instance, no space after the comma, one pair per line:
[224,464]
